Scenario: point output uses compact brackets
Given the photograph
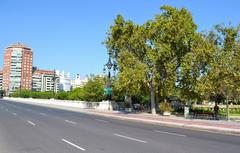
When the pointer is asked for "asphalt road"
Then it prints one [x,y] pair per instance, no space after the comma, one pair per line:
[28,128]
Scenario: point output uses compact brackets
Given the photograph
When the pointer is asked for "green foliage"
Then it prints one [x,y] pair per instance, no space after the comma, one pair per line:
[47,95]
[25,93]
[194,66]
[222,111]
[33,94]
[15,94]
[21,93]
[93,90]
[76,94]
[149,55]
[223,76]
[168,57]
[61,95]
[201,110]
[165,107]
[118,94]
[231,111]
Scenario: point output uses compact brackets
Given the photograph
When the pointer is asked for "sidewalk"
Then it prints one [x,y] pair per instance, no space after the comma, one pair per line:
[197,124]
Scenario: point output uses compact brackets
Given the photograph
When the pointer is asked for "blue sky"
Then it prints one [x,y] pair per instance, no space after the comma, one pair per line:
[67,34]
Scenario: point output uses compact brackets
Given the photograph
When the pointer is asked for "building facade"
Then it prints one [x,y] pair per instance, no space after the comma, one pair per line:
[36,80]
[44,80]
[78,82]
[64,81]
[17,68]
[1,80]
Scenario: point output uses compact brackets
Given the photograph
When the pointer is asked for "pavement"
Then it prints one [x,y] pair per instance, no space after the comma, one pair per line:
[28,128]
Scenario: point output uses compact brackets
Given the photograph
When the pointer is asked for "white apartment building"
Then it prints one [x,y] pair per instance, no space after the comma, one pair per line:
[43,80]
[64,81]
[78,82]
[50,83]
[36,82]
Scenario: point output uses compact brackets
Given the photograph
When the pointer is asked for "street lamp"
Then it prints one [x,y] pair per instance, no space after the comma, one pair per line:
[54,82]
[110,66]
[20,88]
[108,89]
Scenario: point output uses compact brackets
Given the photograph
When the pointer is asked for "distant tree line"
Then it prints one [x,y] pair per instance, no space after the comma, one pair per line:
[92,91]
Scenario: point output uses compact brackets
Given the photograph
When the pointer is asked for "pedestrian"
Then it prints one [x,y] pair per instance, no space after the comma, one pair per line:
[216,110]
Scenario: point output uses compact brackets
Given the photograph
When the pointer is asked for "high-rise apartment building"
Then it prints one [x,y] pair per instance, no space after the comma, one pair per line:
[17,68]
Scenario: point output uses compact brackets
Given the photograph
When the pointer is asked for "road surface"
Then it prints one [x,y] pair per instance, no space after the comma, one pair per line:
[28,128]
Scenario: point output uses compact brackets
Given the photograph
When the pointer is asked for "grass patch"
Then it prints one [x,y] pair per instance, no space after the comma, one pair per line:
[235,115]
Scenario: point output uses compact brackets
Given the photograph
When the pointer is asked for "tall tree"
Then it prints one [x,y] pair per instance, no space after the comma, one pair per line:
[151,53]
[171,35]
[194,66]
[223,77]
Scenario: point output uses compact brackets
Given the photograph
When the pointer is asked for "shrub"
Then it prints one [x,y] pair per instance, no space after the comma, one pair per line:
[165,107]
[76,94]
[201,110]
[25,94]
[61,95]
[93,90]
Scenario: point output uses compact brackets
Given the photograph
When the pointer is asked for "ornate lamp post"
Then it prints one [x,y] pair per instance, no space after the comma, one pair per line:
[111,66]
[54,82]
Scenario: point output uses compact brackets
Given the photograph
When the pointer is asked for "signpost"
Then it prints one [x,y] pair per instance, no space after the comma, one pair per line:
[107,91]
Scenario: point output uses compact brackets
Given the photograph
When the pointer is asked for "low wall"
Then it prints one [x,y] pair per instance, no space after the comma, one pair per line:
[104,105]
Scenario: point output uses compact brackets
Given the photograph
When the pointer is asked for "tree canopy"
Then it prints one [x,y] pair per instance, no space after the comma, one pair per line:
[168,56]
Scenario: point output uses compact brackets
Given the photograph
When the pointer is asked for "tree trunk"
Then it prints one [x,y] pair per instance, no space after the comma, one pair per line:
[129,100]
[152,91]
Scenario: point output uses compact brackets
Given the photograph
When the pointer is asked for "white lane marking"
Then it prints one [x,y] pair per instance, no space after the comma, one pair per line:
[31,123]
[164,132]
[76,146]
[101,120]
[14,114]
[44,114]
[126,137]
[70,122]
